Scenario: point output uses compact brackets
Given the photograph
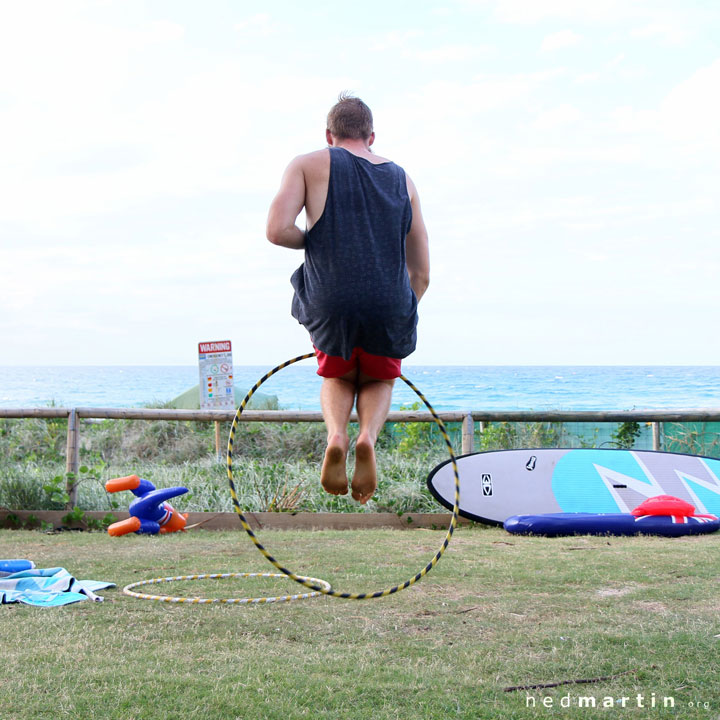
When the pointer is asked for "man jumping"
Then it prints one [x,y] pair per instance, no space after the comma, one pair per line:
[366,267]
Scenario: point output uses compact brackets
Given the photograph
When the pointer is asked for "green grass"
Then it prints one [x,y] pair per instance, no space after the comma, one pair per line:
[497,611]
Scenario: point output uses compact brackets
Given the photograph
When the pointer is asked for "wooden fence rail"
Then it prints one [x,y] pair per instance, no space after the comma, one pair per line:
[467,418]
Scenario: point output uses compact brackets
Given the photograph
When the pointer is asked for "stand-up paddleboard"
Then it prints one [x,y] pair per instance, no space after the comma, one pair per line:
[495,485]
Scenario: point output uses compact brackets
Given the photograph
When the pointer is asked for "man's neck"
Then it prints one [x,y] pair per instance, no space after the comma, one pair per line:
[357,147]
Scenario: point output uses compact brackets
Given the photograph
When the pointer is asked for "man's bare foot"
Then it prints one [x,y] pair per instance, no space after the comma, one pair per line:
[334,475]
[364,482]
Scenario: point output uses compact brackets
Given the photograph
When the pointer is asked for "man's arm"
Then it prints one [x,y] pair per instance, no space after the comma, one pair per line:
[417,253]
[286,206]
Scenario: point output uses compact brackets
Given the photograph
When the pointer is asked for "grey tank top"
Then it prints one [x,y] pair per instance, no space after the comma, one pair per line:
[353,289]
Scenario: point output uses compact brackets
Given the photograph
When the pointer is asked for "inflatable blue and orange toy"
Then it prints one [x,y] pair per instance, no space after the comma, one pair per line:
[150,513]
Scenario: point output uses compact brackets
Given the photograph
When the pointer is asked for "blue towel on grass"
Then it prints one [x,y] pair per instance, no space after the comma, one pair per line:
[48,587]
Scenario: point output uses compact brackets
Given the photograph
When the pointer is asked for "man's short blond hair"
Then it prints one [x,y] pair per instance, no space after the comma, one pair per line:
[350,119]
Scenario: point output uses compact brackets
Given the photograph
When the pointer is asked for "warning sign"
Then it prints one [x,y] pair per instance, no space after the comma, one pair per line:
[216,375]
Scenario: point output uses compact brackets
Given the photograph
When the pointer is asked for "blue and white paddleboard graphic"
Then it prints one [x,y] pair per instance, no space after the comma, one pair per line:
[495,485]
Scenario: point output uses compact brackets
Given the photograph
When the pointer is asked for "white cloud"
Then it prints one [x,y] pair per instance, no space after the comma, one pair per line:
[394,40]
[415,45]
[451,53]
[559,40]
[533,11]
[612,68]
[670,33]
[558,117]
[691,111]
[260,23]
[627,119]
[686,123]
[89,139]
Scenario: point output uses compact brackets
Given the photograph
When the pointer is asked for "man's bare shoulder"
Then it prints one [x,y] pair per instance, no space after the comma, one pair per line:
[314,167]
[412,190]
[315,160]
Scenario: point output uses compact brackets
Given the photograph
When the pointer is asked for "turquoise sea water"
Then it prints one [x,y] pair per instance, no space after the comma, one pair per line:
[447,387]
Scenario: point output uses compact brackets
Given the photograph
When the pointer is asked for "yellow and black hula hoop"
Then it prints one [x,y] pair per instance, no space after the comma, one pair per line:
[308,582]
[130,590]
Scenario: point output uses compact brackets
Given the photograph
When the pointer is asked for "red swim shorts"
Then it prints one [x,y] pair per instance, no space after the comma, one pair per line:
[375,366]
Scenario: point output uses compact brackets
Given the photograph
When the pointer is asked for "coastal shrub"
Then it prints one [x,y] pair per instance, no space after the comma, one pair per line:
[411,436]
[696,438]
[626,434]
[509,435]
[280,441]
[32,439]
[103,437]
[164,438]
[147,440]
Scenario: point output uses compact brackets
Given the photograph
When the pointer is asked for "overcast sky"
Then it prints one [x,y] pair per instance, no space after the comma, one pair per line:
[567,155]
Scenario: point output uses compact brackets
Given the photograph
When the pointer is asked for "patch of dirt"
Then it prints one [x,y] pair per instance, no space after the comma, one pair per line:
[651,606]
[614,592]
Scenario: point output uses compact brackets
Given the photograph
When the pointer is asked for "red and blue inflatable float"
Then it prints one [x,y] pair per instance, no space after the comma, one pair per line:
[661,515]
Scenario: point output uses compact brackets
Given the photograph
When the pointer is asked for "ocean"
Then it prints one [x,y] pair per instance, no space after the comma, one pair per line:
[446,387]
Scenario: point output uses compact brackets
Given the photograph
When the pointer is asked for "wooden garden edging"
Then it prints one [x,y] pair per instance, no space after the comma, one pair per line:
[258,520]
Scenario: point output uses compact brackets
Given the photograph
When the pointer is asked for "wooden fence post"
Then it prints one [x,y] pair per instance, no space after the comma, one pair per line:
[468,434]
[656,435]
[73,457]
